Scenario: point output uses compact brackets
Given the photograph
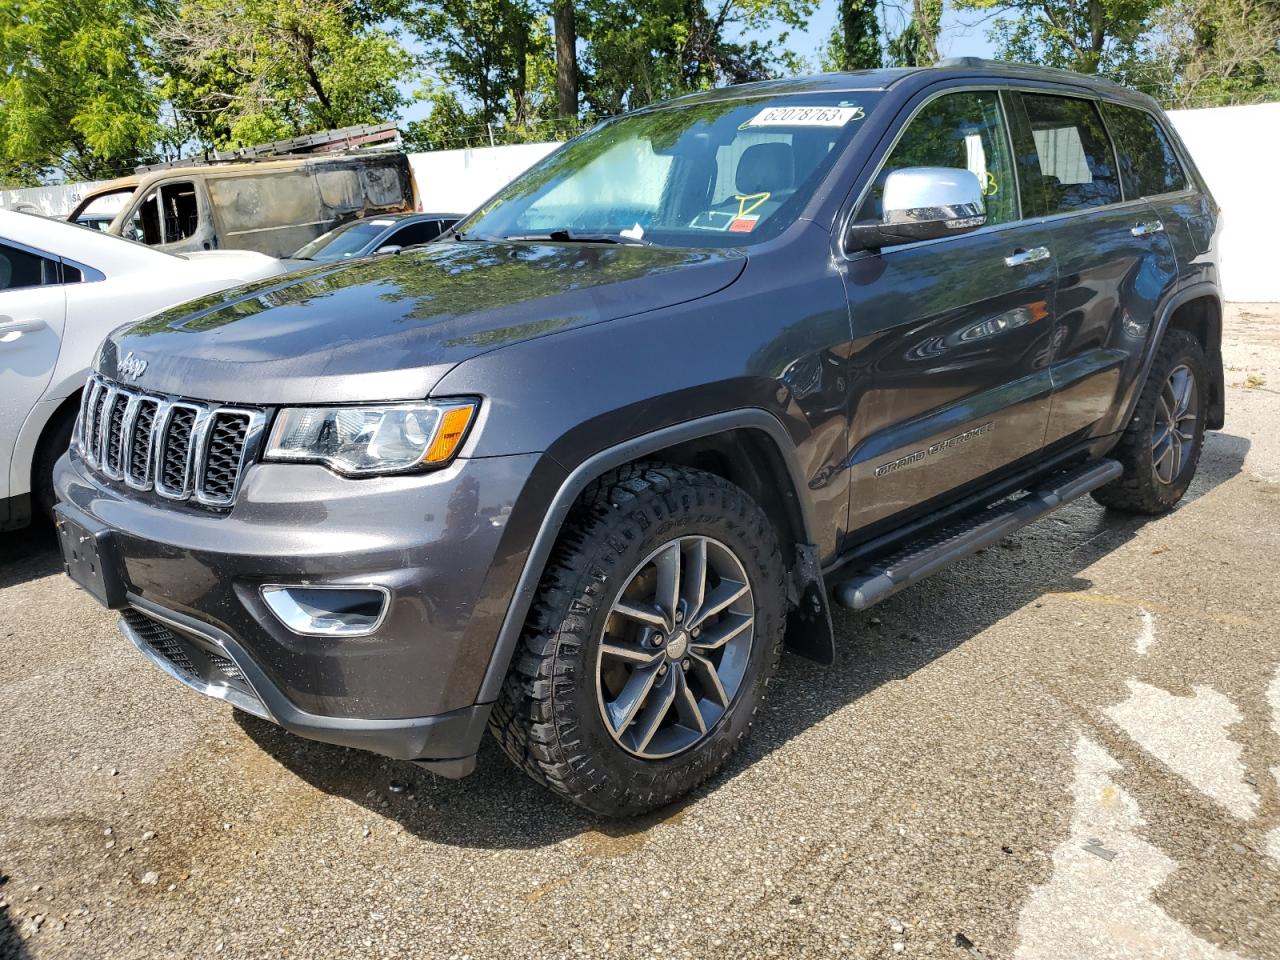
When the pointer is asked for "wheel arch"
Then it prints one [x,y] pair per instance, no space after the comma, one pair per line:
[749,447]
[1196,309]
[1199,313]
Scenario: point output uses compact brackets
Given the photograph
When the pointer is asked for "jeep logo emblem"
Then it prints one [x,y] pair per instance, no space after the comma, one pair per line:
[131,366]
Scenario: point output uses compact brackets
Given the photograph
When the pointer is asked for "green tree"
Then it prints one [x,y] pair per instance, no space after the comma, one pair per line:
[855,40]
[495,53]
[77,88]
[1216,53]
[249,71]
[644,50]
[917,44]
[1090,36]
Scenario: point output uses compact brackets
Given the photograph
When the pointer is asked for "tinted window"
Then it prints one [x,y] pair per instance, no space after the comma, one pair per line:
[1148,162]
[423,231]
[960,130]
[349,240]
[1076,165]
[21,269]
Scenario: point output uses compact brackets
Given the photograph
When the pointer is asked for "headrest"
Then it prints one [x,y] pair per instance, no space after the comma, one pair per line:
[765,167]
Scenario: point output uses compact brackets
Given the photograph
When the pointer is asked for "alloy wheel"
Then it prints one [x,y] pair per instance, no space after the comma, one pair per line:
[675,647]
[1174,430]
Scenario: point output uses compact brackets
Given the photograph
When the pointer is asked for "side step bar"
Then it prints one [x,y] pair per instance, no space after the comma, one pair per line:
[941,548]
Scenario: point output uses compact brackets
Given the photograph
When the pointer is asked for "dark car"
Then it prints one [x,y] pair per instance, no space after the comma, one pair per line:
[581,471]
[389,234]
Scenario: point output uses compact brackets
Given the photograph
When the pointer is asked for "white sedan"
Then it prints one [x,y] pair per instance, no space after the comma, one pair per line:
[63,288]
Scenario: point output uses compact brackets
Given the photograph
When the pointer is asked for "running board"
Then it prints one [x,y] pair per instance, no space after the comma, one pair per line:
[943,547]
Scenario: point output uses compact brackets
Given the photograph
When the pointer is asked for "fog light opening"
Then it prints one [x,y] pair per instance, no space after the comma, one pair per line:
[328,611]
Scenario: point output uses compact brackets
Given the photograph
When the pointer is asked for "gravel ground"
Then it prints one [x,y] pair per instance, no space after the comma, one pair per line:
[1068,745]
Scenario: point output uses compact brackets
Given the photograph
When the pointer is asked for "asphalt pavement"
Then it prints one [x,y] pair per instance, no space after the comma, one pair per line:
[1067,746]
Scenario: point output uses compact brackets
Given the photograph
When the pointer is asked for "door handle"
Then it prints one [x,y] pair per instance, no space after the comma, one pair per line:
[1021,257]
[11,330]
[1147,229]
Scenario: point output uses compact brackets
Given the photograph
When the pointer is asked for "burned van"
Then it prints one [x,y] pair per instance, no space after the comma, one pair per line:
[272,206]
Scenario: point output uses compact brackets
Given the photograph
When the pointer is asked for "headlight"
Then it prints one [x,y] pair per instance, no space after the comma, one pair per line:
[359,441]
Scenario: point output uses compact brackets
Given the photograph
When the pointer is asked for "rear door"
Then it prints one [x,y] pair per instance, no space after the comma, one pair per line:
[1115,262]
[32,315]
[950,380]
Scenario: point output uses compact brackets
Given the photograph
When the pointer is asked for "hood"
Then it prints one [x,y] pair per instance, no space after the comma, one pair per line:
[389,327]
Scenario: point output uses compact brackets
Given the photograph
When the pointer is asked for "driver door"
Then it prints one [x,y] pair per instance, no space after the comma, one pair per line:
[951,381]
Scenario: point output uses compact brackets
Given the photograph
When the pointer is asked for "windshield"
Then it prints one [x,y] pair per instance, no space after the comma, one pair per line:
[349,240]
[718,173]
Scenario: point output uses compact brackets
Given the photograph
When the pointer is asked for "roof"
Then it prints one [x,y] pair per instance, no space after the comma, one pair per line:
[70,240]
[887,78]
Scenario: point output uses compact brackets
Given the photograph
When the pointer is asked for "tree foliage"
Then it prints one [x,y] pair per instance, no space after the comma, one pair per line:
[1090,36]
[249,71]
[90,88]
[77,87]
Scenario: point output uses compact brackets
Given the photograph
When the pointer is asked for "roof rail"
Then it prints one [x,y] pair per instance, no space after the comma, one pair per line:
[347,139]
[1029,70]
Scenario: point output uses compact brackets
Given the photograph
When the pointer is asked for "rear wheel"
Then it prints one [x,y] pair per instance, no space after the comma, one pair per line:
[647,653]
[1161,446]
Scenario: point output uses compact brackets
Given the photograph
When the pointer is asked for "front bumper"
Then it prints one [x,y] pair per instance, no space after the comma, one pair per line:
[447,547]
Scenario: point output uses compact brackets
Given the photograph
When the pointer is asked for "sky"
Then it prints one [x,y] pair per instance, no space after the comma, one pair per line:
[964,34]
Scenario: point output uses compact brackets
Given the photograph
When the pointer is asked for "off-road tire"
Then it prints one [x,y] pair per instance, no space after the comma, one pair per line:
[1138,489]
[548,718]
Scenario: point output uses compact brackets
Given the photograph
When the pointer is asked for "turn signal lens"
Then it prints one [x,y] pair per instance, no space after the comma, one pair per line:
[453,427]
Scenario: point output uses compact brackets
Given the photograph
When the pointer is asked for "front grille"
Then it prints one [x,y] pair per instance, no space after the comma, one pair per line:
[226,448]
[139,466]
[175,452]
[115,433]
[181,449]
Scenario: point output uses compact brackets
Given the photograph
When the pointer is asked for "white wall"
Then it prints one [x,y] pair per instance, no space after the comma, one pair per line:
[458,181]
[56,201]
[1236,150]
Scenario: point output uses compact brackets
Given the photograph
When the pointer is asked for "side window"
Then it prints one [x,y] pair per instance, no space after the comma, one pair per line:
[19,269]
[1148,163]
[1076,165]
[144,225]
[181,212]
[424,231]
[960,130]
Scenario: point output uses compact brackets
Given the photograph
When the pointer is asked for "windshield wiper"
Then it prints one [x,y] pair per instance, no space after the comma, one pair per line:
[567,235]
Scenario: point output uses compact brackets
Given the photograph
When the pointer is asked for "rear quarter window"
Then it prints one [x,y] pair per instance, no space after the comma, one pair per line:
[1148,163]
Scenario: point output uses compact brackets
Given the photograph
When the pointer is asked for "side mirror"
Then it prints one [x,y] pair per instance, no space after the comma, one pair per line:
[389,248]
[923,203]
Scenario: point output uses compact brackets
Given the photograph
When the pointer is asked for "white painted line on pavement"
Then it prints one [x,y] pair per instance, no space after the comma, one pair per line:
[1147,635]
[1189,736]
[1099,908]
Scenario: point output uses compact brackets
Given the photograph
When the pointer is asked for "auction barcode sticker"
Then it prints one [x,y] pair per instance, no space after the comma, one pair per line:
[805,117]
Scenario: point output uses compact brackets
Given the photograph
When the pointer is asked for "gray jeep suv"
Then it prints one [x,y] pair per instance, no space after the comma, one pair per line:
[579,471]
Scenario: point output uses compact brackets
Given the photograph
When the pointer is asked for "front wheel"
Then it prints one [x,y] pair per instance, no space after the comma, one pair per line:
[657,627]
[1161,445]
